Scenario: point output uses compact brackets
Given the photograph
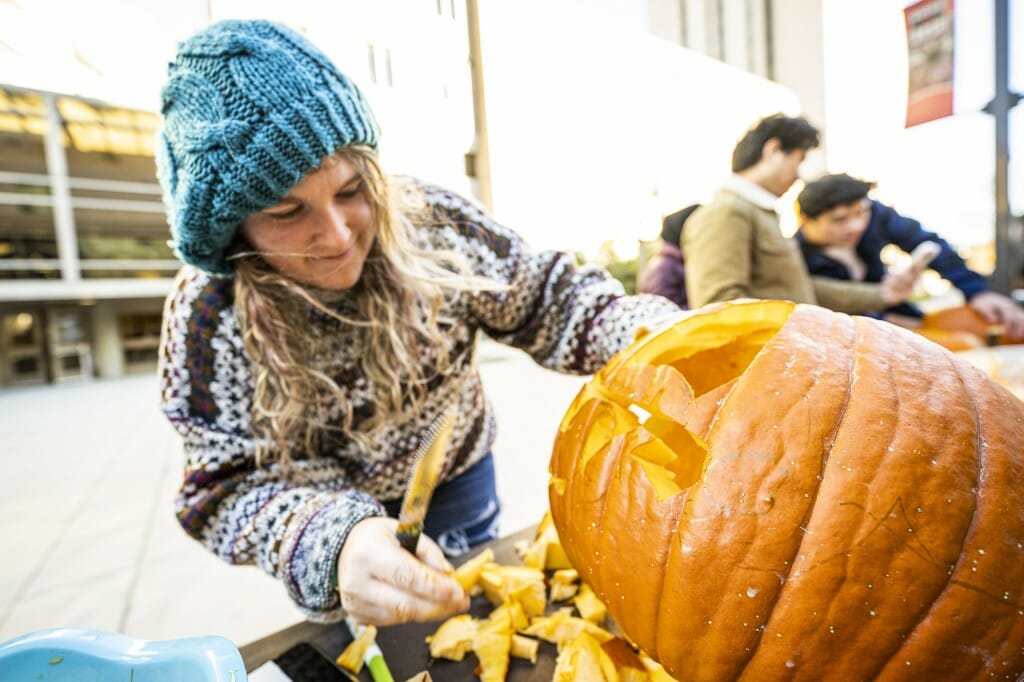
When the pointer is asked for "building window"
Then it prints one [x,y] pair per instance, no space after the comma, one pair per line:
[68,345]
[716,29]
[441,5]
[26,368]
[684,23]
[118,217]
[21,348]
[140,339]
[737,32]
[28,238]
[372,63]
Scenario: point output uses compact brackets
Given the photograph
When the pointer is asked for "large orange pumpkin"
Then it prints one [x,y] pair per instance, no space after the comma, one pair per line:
[768,491]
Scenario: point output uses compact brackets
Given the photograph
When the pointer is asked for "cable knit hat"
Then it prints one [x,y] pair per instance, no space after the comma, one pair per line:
[249,108]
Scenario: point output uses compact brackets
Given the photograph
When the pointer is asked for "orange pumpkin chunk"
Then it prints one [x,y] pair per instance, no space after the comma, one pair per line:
[355,653]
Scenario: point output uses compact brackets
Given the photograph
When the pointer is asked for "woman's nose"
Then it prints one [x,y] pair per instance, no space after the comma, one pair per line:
[335,226]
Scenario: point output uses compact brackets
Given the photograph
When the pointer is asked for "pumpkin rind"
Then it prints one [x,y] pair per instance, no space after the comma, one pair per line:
[848,500]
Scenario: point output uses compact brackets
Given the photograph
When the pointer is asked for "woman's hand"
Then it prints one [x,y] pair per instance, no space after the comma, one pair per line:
[381,584]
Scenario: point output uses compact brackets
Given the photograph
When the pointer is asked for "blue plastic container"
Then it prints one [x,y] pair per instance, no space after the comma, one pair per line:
[80,655]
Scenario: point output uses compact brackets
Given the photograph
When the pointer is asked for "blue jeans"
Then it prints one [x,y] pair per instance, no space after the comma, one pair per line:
[463,512]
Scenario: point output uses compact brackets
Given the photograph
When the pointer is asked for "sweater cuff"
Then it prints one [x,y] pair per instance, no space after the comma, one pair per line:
[627,319]
[311,565]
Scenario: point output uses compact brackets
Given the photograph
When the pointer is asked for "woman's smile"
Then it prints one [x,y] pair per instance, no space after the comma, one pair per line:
[321,232]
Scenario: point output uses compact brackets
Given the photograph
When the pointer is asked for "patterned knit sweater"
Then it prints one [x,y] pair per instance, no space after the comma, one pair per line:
[568,318]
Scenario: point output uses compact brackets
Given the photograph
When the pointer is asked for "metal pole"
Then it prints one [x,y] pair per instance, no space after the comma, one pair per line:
[1001,278]
[60,190]
[478,160]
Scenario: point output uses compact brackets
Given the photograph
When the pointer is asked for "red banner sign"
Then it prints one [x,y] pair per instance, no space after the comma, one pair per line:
[930,52]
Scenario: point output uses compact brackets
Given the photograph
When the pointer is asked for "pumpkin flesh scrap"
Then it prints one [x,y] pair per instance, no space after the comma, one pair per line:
[584,659]
[468,574]
[564,584]
[352,657]
[454,639]
[524,647]
[492,644]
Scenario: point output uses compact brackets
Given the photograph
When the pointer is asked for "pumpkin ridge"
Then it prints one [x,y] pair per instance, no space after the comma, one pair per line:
[628,485]
[982,449]
[748,384]
[575,447]
[830,439]
[1014,628]
[610,459]
[886,522]
[667,549]
[866,368]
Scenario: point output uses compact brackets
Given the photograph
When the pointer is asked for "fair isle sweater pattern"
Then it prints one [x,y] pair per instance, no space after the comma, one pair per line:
[568,318]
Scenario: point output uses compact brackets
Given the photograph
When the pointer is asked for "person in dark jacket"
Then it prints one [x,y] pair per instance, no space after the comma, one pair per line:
[665,273]
[842,234]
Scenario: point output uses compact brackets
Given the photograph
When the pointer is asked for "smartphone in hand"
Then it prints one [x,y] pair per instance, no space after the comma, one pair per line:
[923,254]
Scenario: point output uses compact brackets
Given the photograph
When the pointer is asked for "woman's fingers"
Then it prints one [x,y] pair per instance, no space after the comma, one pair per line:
[381,603]
[408,574]
[381,583]
[432,555]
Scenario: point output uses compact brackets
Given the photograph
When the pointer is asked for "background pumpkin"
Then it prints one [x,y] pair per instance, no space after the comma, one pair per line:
[770,491]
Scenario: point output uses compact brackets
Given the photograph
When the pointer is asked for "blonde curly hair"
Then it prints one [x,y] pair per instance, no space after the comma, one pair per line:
[399,300]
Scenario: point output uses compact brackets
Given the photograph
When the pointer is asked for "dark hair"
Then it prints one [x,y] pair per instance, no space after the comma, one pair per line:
[792,134]
[672,225]
[830,191]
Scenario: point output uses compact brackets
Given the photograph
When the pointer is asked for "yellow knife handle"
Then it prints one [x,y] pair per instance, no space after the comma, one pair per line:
[409,537]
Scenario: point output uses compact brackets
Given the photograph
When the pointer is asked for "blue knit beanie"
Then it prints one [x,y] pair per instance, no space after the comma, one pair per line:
[249,108]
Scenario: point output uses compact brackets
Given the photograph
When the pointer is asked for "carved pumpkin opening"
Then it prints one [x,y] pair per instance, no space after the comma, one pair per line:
[663,399]
[710,351]
[708,369]
[672,458]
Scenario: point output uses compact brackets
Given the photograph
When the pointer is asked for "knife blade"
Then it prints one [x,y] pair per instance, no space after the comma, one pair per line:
[429,460]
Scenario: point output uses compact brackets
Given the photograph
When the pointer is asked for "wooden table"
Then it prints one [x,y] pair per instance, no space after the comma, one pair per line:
[404,647]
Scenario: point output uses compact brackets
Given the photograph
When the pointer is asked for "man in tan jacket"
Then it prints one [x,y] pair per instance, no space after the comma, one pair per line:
[733,245]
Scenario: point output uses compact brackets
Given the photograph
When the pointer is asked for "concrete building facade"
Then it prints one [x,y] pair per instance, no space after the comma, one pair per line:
[84,261]
[84,264]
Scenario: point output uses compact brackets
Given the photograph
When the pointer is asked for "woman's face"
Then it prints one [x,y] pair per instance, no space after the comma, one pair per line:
[319,233]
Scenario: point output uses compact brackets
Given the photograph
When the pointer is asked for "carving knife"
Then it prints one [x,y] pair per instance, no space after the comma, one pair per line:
[426,471]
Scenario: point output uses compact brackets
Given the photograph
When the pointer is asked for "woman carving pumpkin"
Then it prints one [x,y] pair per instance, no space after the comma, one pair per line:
[326,315]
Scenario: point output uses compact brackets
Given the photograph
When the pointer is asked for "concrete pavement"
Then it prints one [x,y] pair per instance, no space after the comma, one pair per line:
[88,537]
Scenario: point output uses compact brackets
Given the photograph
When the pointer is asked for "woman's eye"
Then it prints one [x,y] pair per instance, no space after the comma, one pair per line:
[351,193]
[285,215]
